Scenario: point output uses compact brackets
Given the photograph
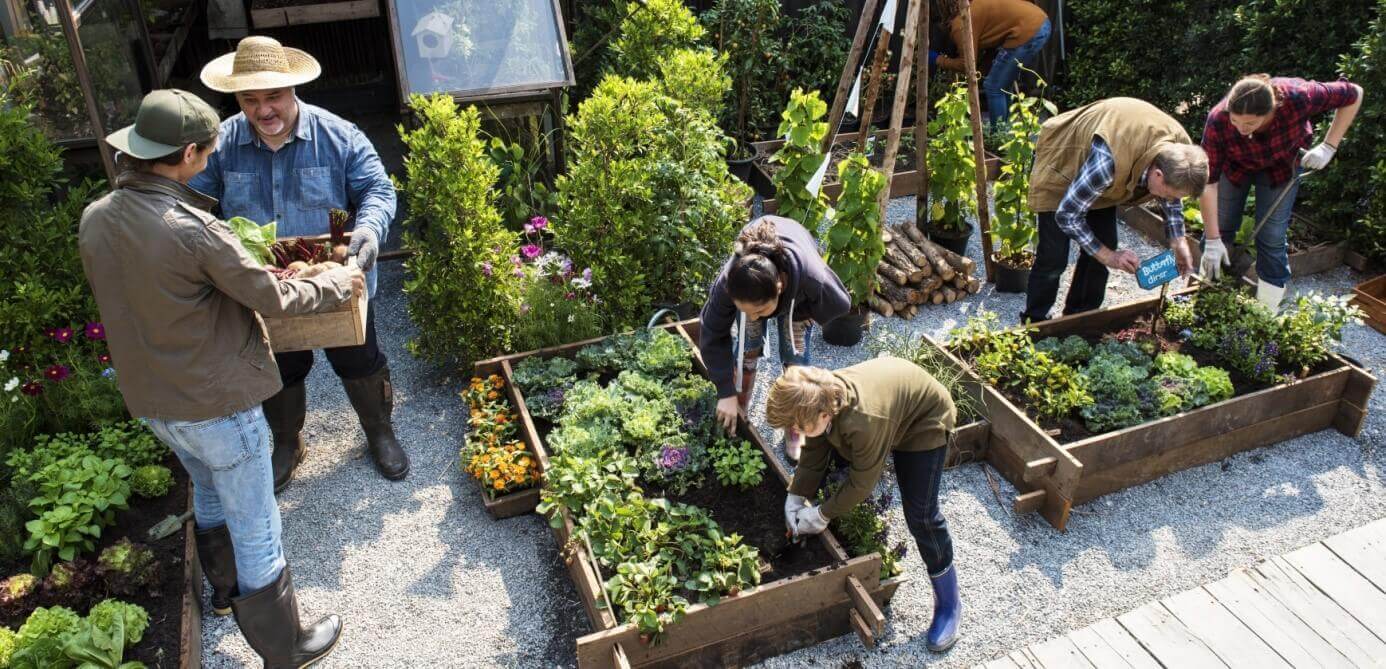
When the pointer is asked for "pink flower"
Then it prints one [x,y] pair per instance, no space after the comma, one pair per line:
[515,260]
[32,389]
[104,358]
[486,268]
[95,331]
[57,373]
[570,295]
[531,251]
[61,335]
[539,223]
[518,272]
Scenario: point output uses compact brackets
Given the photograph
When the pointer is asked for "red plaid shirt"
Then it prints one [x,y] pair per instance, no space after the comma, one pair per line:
[1274,148]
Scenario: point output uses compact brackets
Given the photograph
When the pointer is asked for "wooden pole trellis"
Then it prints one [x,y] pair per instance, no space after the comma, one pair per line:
[913,62]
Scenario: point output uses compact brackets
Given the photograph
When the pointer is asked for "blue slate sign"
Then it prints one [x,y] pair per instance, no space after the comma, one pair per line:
[1157,271]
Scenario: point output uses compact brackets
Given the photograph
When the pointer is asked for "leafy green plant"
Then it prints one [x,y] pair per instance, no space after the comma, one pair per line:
[17,594]
[644,591]
[854,246]
[817,39]
[1008,359]
[737,463]
[521,193]
[128,567]
[8,639]
[101,641]
[1311,328]
[1070,350]
[952,164]
[1014,228]
[151,481]
[697,78]
[77,498]
[255,238]
[70,583]
[863,530]
[746,33]
[535,374]
[42,637]
[109,612]
[803,129]
[461,305]
[650,34]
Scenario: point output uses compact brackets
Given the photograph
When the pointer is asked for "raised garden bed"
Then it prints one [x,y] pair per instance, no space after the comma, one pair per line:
[1370,297]
[1306,257]
[904,182]
[806,594]
[1053,471]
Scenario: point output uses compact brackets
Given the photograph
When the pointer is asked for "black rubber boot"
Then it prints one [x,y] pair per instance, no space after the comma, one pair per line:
[269,620]
[218,560]
[373,397]
[285,413]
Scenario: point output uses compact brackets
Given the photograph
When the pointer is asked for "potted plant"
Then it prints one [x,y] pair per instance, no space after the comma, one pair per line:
[952,173]
[803,128]
[741,27]
[994,138]
[854,246]
[1014,229]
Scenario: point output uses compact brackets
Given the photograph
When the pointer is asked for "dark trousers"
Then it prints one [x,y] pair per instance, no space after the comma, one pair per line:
[349,362]
[1089,285]
[919,474]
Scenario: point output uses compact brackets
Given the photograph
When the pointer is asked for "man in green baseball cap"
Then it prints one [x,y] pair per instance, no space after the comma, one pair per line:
[178,295]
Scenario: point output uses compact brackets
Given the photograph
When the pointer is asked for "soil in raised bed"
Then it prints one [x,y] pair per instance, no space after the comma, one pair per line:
[904,160]
[163,601]
[1070,429]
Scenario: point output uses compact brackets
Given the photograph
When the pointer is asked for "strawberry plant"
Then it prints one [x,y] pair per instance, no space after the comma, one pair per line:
[854,245]
[801,155]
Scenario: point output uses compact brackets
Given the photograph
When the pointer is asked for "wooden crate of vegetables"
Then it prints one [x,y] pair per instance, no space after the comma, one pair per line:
[1089,404]
[624,428]
[304,257]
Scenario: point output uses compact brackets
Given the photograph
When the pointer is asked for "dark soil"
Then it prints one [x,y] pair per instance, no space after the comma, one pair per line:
[904,159]
[1072,429]
[164,601]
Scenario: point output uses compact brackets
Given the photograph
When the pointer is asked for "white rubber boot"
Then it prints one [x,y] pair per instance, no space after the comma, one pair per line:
[793,443]
[1270,294]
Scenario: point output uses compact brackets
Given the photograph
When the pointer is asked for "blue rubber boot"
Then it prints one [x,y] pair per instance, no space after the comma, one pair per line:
[943,633]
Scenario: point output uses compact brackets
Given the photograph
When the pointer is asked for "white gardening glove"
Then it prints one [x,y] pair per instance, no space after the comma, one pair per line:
[809,520]
[1214,259]
[1317,158]
[792,504]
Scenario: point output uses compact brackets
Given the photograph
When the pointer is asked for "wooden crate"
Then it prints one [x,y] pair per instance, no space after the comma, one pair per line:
[343,326]
[520,502]
[1370,297]
[1304,262]
[1052,477]
[902,183]
[769,620]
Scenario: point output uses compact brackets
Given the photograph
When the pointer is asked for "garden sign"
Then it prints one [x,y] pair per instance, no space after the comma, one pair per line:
[1157,271]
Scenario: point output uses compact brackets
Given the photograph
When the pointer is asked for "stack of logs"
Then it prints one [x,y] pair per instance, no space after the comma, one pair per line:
[917,271]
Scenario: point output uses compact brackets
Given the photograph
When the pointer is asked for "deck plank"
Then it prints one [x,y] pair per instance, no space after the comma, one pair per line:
[1365,550]
[1291,637]
[1107,644]
[1330,621]
[1343,584]
[1167,639]
[1060,653]
[1218,629]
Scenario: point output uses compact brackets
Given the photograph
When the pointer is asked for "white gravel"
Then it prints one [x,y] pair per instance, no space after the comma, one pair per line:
[423,577]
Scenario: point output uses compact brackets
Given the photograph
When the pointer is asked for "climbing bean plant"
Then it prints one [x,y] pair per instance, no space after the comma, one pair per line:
[803,128]
[952,164]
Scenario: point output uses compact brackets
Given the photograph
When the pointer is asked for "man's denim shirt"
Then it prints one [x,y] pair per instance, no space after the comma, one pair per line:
[327,164]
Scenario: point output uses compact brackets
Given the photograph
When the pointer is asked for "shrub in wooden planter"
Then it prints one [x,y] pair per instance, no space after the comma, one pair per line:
[633,442]
[1155,413]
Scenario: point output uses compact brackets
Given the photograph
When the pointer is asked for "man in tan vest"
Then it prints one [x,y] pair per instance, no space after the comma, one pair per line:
[1120,151]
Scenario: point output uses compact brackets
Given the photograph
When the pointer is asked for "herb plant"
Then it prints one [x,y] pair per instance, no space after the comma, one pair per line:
[737,463]
[863,530]
[854,245]
[952,165]
[803,129]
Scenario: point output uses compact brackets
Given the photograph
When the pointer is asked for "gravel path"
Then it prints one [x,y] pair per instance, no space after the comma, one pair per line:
[424,578]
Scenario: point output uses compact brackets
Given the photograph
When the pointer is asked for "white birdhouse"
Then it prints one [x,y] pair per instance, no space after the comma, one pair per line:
[434,35]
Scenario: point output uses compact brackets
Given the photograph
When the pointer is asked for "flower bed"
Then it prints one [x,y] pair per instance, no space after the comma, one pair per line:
[636,473]
[1068,426]
[501,460]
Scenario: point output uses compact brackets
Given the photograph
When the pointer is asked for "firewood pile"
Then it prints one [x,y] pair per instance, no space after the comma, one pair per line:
[916,271]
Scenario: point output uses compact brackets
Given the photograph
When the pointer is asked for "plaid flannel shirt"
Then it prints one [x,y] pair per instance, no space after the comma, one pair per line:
[1095,176]
[1273,149]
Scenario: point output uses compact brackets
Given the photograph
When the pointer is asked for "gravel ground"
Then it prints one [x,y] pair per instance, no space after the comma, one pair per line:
[424,578]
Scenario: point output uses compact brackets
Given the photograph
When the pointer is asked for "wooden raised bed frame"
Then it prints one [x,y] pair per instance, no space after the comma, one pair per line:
[902,183]
[1313,260]
[1370,297]
[190,627]
[771,619]
[1051,477]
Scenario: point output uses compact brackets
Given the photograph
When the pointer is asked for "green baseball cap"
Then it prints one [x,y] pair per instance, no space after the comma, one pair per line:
[168,120]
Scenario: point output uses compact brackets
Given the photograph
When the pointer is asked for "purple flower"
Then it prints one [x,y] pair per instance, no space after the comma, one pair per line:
[62,335]
[519,273]
[901,550]
[32,389]
[672,457]
[515,260]
[57,373]
[531,251]
[104,358]
[108,372]
[567,267]
[587,275]
[538,223]
[1272,349]
[95,331]
[486,268]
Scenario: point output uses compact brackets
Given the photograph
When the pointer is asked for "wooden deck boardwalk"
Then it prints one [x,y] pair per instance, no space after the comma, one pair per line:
[1323,605]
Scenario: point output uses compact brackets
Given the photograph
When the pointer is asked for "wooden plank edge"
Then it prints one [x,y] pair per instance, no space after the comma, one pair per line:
[865,605]
[190,625]
[864,633]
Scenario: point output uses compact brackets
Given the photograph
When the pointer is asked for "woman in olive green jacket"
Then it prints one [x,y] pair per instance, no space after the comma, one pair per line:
[862,414]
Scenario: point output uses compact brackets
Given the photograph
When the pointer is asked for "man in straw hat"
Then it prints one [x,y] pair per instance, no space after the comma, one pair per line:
[192,358]
[291,162]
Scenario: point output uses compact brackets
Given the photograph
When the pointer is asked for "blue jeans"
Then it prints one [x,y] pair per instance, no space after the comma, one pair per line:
[228,460]
[1005,69]
[1272,248]
[755,340]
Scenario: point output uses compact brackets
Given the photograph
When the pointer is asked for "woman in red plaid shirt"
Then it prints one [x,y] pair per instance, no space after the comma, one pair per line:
[1254,136]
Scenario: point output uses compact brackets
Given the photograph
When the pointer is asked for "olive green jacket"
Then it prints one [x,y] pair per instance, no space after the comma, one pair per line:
[891,404]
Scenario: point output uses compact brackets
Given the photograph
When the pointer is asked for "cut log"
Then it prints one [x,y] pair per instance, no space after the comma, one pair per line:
[881,306]
[912,251]
[889,272]
[931,284]
[887,236]
[974,285]
[949,295]
[935,255]
[912,231]
[961,264]
[896,294]
[896,257]
[960,281]
[937,297]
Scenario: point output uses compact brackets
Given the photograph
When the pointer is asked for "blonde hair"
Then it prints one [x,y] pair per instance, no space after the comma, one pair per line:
[1253,95]
[801,395]
[1185,167]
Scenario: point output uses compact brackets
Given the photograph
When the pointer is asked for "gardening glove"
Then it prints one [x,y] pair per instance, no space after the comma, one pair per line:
[1214,259]
[365,247]
[792,504]
[1317,158]
[809,520]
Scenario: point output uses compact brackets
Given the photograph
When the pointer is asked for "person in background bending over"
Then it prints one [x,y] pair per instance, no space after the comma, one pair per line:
[1017,29]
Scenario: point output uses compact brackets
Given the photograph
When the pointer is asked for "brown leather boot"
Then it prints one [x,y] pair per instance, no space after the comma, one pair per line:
[285,414]
[218,560]
[269,620]
[373,399]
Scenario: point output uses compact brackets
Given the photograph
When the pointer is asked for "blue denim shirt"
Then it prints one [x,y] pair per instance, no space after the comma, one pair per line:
[328,163]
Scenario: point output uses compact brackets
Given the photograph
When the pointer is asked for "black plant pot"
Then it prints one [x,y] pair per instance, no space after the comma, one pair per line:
[955,242]
[739,162]
[1011,279]
[846,330]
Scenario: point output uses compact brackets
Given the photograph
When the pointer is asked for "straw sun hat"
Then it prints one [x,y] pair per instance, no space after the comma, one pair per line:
[260,63]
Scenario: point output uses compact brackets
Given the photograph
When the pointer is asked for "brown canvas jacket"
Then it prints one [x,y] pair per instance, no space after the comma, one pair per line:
[179,295]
